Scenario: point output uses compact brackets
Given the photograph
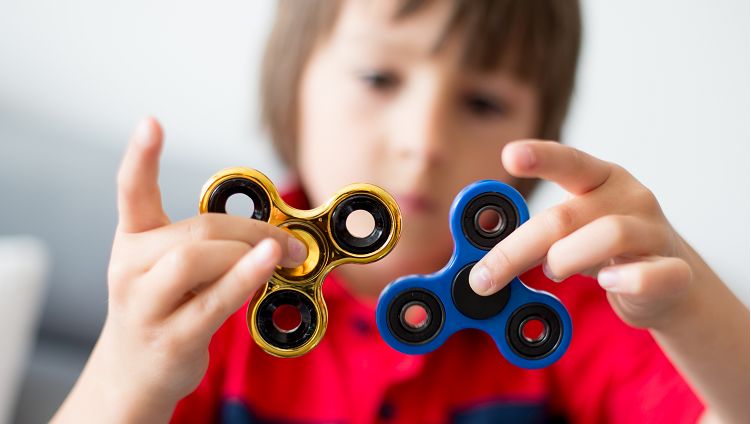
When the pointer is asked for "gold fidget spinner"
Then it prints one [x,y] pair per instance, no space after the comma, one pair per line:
[324,231]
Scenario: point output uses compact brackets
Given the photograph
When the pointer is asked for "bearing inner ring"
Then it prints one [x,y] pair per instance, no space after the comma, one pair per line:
[499,227]
[412,327]
[537,341]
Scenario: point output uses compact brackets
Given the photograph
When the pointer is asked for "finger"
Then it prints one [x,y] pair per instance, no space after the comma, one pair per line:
[529,243]
[594,244]
[184,269]
[591,271]
[573,170]
[216,226]
[654,278]
[208,310]
[138,197]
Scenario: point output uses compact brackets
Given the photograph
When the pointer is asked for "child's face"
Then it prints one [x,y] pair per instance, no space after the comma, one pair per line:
[379,105]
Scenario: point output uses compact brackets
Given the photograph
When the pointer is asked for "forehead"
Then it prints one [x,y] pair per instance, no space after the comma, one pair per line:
[375,23]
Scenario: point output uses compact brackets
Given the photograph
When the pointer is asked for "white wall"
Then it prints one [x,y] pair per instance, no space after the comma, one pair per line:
[663,90]
[99,66]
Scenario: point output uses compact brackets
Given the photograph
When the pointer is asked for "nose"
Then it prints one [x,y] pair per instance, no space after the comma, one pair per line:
[421,122]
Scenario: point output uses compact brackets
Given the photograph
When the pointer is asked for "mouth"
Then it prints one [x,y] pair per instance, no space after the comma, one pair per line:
[415,204]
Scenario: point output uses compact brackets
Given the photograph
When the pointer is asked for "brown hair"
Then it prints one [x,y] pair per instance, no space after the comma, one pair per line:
[538,38]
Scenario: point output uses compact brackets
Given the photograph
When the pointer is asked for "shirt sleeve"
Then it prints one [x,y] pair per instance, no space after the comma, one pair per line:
[612,372]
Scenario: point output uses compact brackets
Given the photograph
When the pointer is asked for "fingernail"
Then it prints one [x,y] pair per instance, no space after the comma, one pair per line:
[298,251]
[527,158]
[548,273]
[608,279]
[145,133]
[480,280]
[263,254]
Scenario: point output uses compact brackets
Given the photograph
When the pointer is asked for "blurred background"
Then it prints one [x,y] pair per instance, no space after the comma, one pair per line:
[663,90]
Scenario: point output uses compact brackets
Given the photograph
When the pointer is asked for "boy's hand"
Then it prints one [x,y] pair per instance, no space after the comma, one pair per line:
[171,286]
[609,225]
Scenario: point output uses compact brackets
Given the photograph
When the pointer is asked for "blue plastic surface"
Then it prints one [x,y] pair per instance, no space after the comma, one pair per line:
[440,284]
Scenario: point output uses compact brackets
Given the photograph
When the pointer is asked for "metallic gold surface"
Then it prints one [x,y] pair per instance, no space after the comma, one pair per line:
[317,250]
[324,254]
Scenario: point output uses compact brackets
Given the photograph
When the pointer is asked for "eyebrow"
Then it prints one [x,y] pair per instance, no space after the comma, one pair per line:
[483,76]
[390,43]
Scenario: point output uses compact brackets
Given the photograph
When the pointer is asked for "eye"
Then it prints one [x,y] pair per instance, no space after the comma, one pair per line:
[484,105]
[381,81]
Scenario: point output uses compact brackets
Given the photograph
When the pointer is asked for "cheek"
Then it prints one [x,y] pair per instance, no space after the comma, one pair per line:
[336,142]
[480,154]
[480,160]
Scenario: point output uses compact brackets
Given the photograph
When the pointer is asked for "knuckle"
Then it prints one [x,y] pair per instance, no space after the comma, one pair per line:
[646,198]
[664,243]
[643,199]
[617,177]
[684,272]
[211,303]
[119,278]
[560,219]
[183,258]
[201,227]
[617,229]
[118,272]
[618,172]
[677,272]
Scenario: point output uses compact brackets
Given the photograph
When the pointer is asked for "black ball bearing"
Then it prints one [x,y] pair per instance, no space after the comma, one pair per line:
[508,219]
[256,193]
[415,335]
[361,245]
[286,339]
[546,342]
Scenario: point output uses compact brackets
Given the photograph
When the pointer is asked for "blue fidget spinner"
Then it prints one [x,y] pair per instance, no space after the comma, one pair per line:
[445,302]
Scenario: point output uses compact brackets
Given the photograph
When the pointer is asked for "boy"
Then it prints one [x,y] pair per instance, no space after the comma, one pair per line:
[420,98]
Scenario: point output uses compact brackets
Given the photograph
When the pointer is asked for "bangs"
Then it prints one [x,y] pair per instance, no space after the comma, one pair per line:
[525,37]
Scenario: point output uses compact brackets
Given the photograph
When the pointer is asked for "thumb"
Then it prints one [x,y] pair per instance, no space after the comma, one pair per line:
[139,200]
